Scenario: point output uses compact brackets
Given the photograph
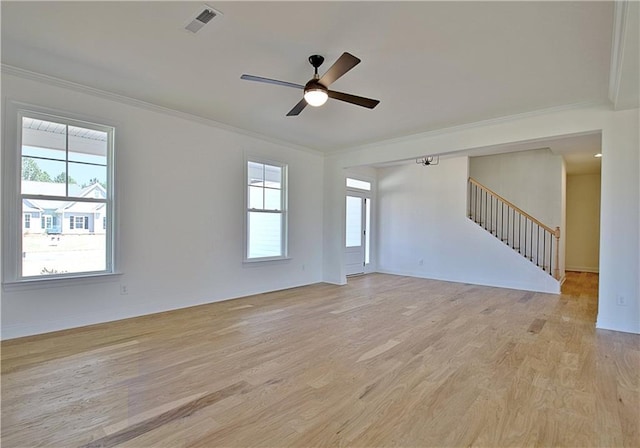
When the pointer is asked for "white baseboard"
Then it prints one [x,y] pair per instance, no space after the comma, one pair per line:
[594,270]
[520,286]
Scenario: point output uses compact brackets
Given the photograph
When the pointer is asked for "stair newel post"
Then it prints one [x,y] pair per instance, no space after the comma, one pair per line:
[556,272]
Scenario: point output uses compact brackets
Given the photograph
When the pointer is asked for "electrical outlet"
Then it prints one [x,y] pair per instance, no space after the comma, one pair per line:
[304,267]
[124,290]
[621,301]
[420,262]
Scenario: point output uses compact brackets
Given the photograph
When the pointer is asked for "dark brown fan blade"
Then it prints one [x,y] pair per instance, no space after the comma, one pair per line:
[344,63]
[297,108]
[357,100]
[271,81]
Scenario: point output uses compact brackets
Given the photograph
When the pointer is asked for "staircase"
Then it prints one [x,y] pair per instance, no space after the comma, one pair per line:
[522,232]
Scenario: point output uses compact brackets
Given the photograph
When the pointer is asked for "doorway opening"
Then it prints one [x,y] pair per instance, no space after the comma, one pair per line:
[357,247]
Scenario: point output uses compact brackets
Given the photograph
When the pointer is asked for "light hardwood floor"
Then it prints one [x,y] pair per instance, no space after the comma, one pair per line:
[384,361]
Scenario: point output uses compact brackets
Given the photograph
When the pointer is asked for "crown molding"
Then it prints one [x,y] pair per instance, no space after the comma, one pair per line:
[468,126]
[70,85]
[620,12]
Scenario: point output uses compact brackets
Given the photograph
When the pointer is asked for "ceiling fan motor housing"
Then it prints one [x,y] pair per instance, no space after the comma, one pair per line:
[314,84]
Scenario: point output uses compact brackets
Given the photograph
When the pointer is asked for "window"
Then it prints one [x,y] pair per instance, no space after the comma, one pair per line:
[65,166]
[27,221]
[266,218]
[358,184]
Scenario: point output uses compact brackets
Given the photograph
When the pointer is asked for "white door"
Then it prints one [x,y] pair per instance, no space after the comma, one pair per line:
[358,218]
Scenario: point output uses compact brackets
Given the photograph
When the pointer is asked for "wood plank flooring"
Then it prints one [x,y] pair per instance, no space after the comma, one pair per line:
[384,361]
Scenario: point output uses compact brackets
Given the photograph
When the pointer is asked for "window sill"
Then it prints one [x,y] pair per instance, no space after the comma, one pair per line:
[261,261]
[59,282]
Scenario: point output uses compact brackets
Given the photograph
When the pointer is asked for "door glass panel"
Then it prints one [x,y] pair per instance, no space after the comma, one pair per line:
[367,226]
[354,222]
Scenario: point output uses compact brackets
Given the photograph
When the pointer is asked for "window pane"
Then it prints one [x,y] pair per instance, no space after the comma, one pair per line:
[272,199]
[43,153]
[359,184]
[83,177]
[264,235]
[43,176]
[255,173]
[354,222]
[87,145]
[51,246]
[47,135]
[255,197]
[273,176]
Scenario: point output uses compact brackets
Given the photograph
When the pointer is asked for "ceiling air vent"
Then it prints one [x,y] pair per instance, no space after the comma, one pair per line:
[202,19]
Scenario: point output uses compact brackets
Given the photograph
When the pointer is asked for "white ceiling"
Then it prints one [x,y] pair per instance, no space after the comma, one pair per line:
[432,64]
[577,150]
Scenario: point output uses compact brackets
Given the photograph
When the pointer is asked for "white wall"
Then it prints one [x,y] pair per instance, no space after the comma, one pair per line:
[424,231]
[619,223]
[620,215]
[583,222]
[532,180]
[180,187]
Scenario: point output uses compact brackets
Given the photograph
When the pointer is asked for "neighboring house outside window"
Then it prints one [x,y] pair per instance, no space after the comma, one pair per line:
[266,216]
[66,171]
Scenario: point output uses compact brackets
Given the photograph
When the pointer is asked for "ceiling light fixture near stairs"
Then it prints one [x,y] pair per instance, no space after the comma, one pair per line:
[428,160]
[202,18]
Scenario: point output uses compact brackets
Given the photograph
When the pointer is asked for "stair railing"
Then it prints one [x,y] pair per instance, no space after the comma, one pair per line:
[515,227]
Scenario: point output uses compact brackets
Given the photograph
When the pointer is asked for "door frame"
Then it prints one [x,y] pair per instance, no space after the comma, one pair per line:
[367,196]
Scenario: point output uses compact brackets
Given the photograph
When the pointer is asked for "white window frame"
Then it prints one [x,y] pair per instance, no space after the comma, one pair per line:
[12,198]
[284,235]
[27,220]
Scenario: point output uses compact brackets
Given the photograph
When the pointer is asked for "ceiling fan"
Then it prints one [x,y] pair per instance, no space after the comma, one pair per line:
[316,91]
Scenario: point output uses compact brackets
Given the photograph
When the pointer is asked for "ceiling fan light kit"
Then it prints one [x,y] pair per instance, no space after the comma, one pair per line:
[315,95]
[316,90]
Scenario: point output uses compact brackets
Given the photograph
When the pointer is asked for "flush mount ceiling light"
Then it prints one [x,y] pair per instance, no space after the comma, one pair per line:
[428,160]
[598,155]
